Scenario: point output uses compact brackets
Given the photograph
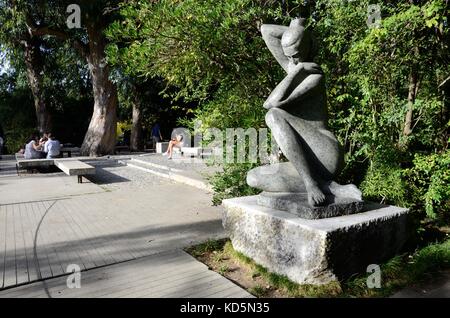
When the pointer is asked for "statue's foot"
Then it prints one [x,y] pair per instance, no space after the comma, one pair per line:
[344,191]
[315,195]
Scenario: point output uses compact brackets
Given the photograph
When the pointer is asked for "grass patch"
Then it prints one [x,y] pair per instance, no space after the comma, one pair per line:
[399,272]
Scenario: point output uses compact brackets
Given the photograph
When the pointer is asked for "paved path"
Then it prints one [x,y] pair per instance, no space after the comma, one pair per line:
[48,222]
[168,274]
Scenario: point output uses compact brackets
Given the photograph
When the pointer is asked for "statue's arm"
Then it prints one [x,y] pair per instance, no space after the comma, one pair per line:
[272,34]
[308,86]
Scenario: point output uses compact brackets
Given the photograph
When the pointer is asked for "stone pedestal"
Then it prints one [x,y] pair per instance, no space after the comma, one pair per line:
[161,147]
[297,203]
[314,251]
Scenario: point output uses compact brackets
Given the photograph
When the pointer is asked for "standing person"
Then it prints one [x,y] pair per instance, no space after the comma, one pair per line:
[52,147]
[156,134]
[33,148]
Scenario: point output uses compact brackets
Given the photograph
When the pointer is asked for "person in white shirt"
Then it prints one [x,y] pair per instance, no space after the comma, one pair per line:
[33,148]
[52,147]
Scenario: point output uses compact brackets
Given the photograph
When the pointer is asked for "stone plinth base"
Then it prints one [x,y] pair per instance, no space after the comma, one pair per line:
[314,251]
[161,147]
[297,203]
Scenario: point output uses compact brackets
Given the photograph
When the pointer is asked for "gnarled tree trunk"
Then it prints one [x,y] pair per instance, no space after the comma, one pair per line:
[35,67]
[136,143]
[100,138]
[412,93]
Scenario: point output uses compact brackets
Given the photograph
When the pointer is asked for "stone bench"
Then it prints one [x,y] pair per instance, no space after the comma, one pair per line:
[34,163]
[192,151]
[161,147]
[75,168]
[69,166]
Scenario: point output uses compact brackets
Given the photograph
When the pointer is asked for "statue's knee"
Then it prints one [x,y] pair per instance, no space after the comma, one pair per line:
[272,116]
[252,178]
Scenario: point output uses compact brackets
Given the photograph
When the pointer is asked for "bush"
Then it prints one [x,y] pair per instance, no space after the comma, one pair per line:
[232,182]
[429,185]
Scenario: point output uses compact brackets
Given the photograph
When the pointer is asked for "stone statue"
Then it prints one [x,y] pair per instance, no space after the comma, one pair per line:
[297,116]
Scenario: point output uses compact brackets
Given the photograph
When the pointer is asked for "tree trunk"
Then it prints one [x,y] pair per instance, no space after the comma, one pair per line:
[412,93]
[100,138]
[35,67]
[136,143]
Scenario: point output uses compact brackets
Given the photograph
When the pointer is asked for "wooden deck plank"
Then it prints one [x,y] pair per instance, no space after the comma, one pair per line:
[224,286]
[65,243]
[27,228]
[151,282]
[56,233]
[10,251]
[21,256]
[100,279]
[97,255]
[146,277]
[82,248]
[132,248]
[185,287]
[96,234]
[120,277]
[2,243]
[39,242]
[105,227]
[49,238]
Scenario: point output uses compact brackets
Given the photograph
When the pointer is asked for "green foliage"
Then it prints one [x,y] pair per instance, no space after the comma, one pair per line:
[16,112]
[386,183]
[207,247]
[231,182]
[212,53]
[404,270]
[429,180]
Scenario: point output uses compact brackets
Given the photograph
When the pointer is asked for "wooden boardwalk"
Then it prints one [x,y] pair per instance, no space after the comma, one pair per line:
[125,236]
[168,274]
[39,240]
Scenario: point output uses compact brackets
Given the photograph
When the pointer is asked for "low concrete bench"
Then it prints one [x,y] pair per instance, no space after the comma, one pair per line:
[192,151]
[75,168]
[161,147]
[34,163]
[69,166]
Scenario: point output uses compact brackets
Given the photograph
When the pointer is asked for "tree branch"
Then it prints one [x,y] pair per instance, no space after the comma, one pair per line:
[35,30]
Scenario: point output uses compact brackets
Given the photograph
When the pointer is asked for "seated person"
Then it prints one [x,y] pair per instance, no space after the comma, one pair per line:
[44,138]
[33,148]
[52,147]
[176,142]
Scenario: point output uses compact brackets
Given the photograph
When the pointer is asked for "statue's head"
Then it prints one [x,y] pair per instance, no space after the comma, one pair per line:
[298,43]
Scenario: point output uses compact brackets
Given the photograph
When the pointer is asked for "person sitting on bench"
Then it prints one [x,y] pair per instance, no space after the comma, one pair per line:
[176,142]
[33,148]
[52,147]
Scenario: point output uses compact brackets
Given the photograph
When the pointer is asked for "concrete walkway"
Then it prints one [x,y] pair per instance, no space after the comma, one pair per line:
[123,217]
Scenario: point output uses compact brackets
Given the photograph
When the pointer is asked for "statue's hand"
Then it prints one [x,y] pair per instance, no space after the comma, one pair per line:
[268,104]
[294,69]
